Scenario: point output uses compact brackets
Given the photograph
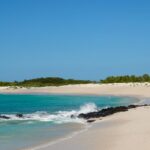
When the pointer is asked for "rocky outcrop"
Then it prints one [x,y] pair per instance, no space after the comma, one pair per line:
[90,116]
[107,111]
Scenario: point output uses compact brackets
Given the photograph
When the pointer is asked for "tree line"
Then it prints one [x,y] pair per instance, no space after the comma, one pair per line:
[126,79]
[49,81]
[56,81]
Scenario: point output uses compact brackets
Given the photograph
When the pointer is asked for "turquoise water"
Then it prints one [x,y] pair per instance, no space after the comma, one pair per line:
[46,117]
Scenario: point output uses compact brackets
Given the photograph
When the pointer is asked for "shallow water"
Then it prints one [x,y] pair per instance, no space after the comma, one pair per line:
[46,117]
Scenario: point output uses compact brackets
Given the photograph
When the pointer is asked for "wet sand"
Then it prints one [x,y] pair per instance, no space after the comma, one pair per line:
[122,131]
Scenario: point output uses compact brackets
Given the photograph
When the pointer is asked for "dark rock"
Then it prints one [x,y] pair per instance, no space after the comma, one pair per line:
[108,111]
[103,112]
[19,115]
[4,117]
[90,121]
[132,106]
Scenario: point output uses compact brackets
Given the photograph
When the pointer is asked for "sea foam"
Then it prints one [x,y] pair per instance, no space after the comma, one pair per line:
[57,117]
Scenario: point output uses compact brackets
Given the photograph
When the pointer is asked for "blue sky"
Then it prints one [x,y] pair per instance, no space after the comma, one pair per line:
[82,39]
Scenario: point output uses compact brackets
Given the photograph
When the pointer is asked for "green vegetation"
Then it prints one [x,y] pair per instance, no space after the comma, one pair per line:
[126,79]
[50,81]
[55,81]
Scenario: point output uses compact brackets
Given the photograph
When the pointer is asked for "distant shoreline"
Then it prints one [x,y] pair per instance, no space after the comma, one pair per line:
[112,89]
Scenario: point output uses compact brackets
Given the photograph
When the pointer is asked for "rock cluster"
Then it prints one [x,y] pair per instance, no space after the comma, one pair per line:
[7,117]
[107,111]
[4,117]
[90,116]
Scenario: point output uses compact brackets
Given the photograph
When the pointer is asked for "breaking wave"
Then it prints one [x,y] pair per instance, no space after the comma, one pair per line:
[57,117]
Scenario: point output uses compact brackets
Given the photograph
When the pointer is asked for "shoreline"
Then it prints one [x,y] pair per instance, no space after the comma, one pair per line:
[115,89]
[105,133]
[100,123]
[62,139]
[131,90]
[101,128]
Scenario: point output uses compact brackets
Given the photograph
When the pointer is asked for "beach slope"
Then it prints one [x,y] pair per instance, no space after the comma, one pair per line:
[122,131]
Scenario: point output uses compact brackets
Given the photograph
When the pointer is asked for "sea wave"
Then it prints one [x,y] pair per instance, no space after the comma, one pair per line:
[57,117]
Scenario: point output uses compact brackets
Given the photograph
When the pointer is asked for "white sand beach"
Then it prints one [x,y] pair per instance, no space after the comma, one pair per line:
[118,89]
[122,131]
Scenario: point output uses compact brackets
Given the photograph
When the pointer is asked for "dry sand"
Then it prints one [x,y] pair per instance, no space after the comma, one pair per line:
[119,89]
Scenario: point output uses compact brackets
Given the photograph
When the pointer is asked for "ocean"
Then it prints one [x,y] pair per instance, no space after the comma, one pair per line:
[47,118]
